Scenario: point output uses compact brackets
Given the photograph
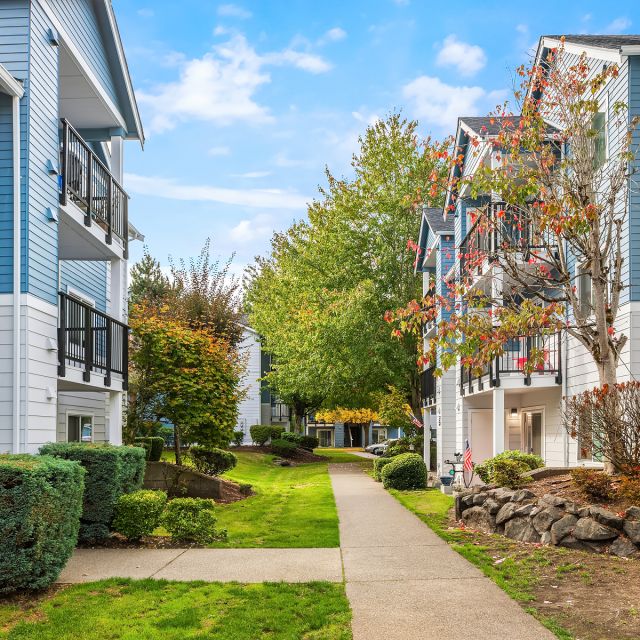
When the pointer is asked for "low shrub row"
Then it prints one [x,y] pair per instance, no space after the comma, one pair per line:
[308,443]
[212,462]
[406,471]
[153,445]
[283,448]
[597,485]
[378,465]
[40,507]
[506,468]
[139,513]
[262,433]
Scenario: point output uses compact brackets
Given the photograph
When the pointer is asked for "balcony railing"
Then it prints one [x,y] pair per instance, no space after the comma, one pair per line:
[521,357]
[91,340]
[279,411]
[89,183]
[428,387]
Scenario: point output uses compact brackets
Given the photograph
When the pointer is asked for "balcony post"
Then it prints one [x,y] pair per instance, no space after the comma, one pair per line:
[527,377]
[88,345]
[558,339]
[498,421]
[87,217]
[109,237]
[107,372]
[65,156]
[125,225]
[62,335]
[125,357]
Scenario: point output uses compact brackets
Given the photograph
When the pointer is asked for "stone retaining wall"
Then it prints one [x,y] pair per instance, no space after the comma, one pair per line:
[550,520]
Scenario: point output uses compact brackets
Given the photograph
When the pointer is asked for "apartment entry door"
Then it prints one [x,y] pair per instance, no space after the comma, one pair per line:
[532,431]
[481,434]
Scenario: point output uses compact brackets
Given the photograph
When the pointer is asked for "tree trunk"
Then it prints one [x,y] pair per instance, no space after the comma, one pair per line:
[608,376]
[176,444]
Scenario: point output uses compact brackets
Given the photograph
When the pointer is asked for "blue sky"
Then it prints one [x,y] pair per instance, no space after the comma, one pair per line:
[245,103]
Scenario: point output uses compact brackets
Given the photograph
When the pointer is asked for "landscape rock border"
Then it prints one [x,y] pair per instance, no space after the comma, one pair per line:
[521,516]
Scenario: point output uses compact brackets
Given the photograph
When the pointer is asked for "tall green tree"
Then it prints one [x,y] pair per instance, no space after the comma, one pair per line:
[148,284]
[319,298]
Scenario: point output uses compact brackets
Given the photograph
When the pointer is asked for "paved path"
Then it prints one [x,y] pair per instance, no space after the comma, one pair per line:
[403,582]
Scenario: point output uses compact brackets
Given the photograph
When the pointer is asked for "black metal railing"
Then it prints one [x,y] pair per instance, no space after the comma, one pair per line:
[428,387]
[92,340]
[89,183]
[525,356]
[279,411]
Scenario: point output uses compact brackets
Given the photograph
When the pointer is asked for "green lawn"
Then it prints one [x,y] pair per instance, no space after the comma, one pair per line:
[154,610]
[293,506]
[339,455]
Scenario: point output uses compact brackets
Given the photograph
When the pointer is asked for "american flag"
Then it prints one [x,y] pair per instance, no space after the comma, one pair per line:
[467,464]
[416,421]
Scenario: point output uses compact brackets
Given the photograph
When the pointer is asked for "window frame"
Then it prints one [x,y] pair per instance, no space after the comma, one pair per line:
[80,415]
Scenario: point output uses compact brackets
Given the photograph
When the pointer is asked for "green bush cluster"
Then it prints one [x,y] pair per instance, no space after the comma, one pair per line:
[308,443]
[406,471]
[212,462]
[261,433]
[111,471]
[403,445]
[283,448]
[486,469]
[378,465]
[594,484]
[508,472]
[40,507]
[291,436]
[238,438]
[138,513]
[191,519]
[153,445]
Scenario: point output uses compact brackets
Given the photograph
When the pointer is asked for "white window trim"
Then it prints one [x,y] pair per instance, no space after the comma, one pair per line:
[75,293]
[543,435]
[603,107]
[80,414]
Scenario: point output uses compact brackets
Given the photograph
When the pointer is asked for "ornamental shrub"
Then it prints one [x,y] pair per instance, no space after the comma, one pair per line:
[137,514]
[191,519]
[378,465]
[594,484]
[154,445]
[276,432]
[508,473]
[40,507]
[296,438]
[260,434]
[283,448]
[212,462]
[406,471]
[238,438]
[309,443]
[629,489]
[111,471]
[486,468]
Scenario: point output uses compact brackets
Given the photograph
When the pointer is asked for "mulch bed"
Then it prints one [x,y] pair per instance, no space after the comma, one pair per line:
[564,487]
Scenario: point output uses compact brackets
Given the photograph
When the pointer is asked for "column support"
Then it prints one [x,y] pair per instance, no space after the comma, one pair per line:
[498,420]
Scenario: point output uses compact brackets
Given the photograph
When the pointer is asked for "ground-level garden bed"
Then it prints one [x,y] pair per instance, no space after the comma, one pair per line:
[153,609]
[575,594]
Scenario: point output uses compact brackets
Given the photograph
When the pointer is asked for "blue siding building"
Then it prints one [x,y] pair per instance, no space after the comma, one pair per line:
[66,109]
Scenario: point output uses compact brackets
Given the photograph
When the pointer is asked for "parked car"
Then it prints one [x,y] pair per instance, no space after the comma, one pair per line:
[379,448]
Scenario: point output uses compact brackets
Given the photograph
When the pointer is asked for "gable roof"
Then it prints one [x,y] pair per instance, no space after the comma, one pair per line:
[601,41]
[436,221]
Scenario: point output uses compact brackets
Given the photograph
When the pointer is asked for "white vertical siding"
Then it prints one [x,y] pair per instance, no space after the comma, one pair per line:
[249,409]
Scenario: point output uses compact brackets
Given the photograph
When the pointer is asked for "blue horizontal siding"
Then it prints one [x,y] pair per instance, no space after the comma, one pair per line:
[88,277]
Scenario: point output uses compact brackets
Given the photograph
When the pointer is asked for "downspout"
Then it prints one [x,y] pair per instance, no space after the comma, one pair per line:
[17,264]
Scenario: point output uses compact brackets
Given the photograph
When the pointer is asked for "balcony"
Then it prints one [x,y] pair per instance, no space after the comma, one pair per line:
[510,369]
[428,387]
[101,203]
[92,346]
[279,412]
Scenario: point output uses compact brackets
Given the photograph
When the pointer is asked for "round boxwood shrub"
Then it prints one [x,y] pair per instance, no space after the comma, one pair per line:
[378,465]
[111,471]
[406,471]
[485,469]
[154,445]
[283,448]
[238,438]
[508,473]
[260,434]
[139,513]
[40,507]
[191,519]
[309,443]
[212,462]
[296,438]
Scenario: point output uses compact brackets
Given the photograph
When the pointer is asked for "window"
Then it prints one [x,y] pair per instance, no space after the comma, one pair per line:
[79,428]
[600,126]
[378,434]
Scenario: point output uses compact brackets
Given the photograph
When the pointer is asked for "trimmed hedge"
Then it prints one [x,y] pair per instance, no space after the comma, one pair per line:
[309,443]
[406,471]
[154,446]
[291,436]
[283,448]
[260,434]
[139,513]
[111,471]
[276,432]
[191,519]
[237,438]
[300,440]
[486,469]
[378,465]
[40,507]
[212,462]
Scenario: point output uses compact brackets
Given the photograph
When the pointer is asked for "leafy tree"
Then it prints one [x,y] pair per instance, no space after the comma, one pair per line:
[394,411]
[319,298]
[148,284]
[186,375]
[556,233]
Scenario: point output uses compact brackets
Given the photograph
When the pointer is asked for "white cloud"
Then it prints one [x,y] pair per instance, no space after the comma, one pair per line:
[146,13]
[436,102]
[219,151]
[335,34]
[619,25]
[233,11]
[246,231]
[468,59]
[220,86]
[251,174]
[172,190]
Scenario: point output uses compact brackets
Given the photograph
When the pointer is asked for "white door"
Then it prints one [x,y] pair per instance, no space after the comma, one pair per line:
[481,434]
[532,437]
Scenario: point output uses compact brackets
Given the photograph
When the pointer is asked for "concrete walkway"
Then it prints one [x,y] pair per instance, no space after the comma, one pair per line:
[403,582]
